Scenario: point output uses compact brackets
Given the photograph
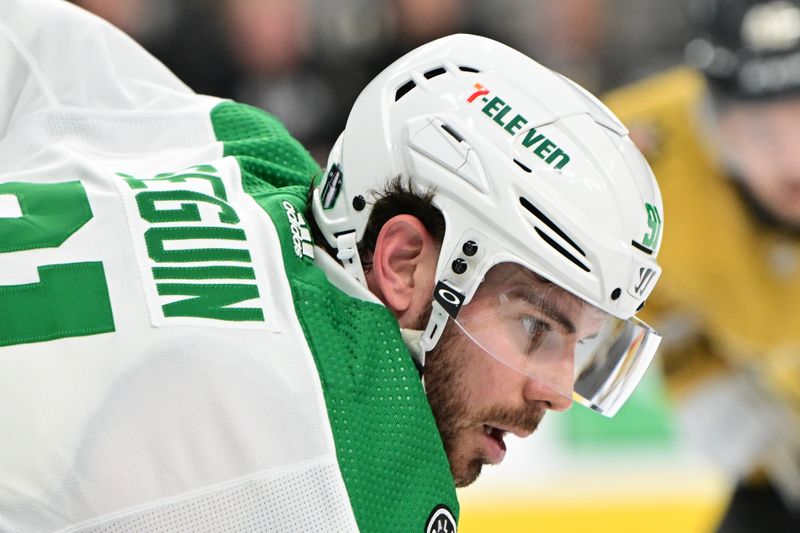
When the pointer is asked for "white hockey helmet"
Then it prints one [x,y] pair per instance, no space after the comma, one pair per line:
[526,167]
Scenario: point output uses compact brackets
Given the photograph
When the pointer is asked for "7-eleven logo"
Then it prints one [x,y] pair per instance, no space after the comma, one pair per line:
[481,91]
[503,115]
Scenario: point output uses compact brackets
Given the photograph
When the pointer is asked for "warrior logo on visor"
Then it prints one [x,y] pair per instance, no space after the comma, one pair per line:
[645,277]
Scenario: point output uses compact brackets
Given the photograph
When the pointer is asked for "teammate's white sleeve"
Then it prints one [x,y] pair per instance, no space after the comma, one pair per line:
[54,54]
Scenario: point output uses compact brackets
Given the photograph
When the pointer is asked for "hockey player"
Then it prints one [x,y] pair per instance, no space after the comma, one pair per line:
[724,140]
[177,353]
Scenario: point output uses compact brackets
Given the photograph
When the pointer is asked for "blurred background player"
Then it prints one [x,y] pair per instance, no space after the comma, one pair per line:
[723,136]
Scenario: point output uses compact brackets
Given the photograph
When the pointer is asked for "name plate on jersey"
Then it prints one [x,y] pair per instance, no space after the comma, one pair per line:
[194,237]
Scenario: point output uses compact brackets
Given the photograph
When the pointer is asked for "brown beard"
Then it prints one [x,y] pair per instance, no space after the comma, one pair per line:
[450,401]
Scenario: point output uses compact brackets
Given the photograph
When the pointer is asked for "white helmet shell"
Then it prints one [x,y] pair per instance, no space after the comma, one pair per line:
[524,163]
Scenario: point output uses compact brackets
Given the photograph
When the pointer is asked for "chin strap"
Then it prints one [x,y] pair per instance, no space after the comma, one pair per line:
[412,338]
[424,341]
[347,254]
[434,329]
[447,302]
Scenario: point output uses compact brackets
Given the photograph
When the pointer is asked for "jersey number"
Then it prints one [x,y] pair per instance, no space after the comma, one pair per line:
[70,299]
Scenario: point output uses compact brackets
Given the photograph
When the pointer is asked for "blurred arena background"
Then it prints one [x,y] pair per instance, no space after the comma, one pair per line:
[306,60]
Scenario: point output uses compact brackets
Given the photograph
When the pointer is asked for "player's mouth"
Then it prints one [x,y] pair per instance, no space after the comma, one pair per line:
[496,446]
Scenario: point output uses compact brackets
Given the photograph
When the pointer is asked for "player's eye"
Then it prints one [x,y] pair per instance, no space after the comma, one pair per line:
[534,326]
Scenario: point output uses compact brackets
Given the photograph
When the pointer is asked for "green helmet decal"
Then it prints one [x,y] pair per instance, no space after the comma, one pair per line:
[497,109]
[650,240]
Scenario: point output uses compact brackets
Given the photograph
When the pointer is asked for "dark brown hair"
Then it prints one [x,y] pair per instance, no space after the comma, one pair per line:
[398,198]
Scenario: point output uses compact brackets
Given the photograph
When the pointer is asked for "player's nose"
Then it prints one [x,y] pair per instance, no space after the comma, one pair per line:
[537,391]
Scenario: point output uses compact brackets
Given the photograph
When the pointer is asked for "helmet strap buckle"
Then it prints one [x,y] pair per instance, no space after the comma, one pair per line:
[347,254]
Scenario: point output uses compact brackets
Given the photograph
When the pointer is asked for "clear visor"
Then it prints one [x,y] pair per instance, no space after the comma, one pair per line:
[555,338]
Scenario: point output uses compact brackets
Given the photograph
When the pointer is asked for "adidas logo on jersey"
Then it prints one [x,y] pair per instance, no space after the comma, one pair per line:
[301,236]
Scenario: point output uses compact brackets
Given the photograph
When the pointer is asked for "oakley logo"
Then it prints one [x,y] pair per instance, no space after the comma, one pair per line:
[496,109]
[450,299]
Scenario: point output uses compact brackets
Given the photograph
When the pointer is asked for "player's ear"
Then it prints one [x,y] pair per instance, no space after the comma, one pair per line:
[404,267]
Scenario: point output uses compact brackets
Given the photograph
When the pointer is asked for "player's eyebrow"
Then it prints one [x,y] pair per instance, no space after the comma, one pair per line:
[529,295]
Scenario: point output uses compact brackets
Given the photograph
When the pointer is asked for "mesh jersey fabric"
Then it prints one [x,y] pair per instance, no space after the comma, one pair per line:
[387,443]
[198,403]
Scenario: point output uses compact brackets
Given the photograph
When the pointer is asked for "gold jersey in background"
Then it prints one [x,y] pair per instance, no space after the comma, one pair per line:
[728,301]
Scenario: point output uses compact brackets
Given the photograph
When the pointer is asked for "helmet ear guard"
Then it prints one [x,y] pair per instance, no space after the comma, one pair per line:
[333,215]
[328,201]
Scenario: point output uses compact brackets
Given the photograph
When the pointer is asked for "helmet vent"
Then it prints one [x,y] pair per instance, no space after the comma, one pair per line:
[525,168]
[558,231]
[641,247]
[452,133]
[434,72]
[550,224]
[560,249]
[404,89]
